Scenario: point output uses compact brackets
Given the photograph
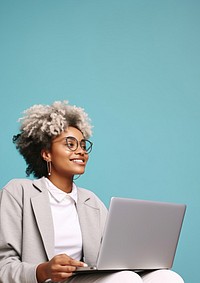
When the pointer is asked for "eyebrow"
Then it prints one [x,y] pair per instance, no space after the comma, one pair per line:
[83,139]
[64,138]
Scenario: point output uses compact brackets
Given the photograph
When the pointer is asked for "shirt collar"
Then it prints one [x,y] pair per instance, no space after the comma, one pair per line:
[58,194]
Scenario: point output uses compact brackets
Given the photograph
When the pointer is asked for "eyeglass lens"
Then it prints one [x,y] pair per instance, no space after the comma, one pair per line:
[72,144]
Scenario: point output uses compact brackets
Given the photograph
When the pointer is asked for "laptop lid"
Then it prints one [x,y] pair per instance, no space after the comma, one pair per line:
[140,234]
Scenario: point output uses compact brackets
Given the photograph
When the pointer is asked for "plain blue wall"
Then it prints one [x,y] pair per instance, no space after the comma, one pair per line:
[134,66]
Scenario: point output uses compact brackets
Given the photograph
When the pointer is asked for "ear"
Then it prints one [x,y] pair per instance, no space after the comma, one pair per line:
[46,155]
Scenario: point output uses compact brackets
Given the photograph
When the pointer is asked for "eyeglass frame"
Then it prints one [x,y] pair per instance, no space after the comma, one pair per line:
[78,143]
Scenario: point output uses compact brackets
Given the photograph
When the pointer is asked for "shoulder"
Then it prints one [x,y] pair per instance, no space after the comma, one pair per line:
[12,192]
[90,198]
[18,181]
[18,188]
[16,184]
[86,192]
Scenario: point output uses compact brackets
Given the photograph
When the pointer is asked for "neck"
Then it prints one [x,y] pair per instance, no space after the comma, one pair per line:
[62,183]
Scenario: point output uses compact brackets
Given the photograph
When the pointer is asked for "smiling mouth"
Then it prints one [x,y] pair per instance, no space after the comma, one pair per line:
[78,161]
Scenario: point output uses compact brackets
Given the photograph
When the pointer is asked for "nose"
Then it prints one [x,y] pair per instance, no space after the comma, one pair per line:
[80,150]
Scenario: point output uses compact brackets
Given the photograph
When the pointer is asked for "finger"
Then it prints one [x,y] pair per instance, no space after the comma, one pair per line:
[65,260]
[76,263]
[63,269]
[70,262]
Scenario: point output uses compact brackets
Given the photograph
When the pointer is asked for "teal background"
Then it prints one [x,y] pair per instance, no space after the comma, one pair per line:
[134,65]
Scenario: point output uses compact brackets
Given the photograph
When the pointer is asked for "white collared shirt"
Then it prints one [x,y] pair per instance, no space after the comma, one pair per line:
[67,232]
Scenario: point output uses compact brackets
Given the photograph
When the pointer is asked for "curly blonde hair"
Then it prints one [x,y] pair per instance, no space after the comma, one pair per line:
[40,124]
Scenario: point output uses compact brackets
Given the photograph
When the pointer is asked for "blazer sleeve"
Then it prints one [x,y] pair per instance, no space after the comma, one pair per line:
[12,269]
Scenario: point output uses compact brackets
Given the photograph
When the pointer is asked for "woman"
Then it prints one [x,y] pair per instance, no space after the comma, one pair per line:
[49,226]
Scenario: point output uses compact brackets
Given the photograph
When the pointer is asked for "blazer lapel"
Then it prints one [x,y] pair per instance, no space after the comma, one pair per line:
[42,211]
[89,218]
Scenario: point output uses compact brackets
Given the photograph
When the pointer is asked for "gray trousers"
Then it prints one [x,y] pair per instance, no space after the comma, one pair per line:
[158,276]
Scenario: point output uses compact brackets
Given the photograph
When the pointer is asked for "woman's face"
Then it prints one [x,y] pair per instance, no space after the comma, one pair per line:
[65,162]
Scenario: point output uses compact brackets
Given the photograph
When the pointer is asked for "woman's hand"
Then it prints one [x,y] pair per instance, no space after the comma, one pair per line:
[60,267]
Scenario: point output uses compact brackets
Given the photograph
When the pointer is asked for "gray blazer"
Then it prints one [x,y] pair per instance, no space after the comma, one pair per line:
[27,232]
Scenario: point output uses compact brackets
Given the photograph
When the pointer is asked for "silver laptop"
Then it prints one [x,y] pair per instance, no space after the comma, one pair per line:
[139,235]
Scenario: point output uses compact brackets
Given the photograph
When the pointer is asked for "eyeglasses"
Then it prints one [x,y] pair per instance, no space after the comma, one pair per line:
[72,144]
